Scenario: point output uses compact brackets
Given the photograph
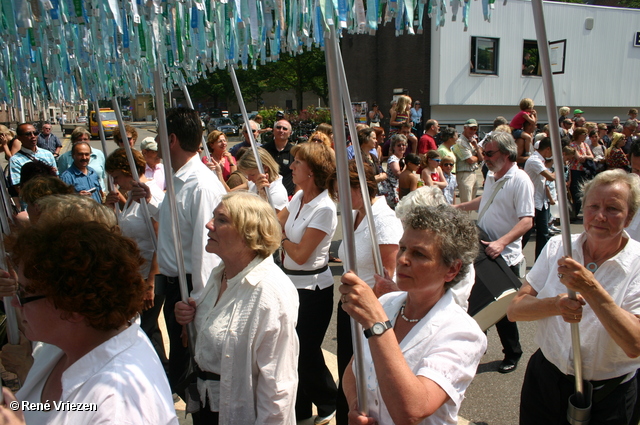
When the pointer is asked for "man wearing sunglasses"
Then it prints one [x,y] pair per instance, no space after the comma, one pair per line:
[29,152]
[506,210]
[280,150]
[49,141]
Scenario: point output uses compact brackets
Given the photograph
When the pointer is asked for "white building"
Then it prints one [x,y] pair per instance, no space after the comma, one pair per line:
[478,73]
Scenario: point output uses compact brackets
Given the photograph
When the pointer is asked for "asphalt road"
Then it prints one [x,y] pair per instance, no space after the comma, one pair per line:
[492,398]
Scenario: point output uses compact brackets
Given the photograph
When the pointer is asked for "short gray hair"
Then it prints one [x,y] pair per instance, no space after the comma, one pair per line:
[395,139]
[631,123]
[425,196]
[506,144]
[616,176]
[455,234]
[254,125]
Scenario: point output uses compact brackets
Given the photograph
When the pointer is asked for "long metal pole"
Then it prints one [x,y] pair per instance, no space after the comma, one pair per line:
[103,142]
[344,188]
[556,147]
[346,99]
[245,117]
[134,171]
[187,96]
[171,198]
[6,220]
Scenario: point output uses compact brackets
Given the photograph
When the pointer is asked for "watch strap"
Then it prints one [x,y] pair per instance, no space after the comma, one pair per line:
[369,332]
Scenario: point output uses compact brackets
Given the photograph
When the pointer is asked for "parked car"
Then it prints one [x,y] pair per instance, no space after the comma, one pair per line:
[223,124]
[82,119]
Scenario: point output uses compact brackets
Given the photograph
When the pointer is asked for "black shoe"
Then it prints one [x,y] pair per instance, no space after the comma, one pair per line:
[508,365]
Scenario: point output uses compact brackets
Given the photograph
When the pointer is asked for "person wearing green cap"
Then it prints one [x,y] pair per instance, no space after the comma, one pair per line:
[468,155]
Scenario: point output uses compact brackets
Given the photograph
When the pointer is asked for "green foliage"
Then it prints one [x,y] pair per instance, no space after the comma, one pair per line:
[312,113]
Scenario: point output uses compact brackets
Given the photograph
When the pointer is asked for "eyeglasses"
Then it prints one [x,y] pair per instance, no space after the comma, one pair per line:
[22,300]
[317,140]
[435,159]
[490,153]
[280,127]
[29,133]
[447,164]
[46,128]
[401,145]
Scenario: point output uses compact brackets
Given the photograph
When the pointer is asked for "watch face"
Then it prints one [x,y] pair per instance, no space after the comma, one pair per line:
[378,328]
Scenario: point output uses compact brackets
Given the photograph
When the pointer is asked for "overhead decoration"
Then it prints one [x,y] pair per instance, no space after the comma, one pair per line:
[72,50]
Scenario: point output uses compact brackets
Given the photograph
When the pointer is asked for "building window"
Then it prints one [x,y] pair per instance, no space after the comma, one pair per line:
[530,58]
[484,55]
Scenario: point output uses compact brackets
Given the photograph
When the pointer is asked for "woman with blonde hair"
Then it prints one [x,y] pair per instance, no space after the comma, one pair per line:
[399,114]
[271,179]
[614,156]
[246,348]
[320,137]
[5,138]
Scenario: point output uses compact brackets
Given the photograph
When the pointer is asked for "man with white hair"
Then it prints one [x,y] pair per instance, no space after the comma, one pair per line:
[506,211]
[255,128]
[617,127]
[280,150]
[468,157]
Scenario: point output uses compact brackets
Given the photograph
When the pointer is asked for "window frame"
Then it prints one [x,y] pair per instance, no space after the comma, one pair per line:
[474,56]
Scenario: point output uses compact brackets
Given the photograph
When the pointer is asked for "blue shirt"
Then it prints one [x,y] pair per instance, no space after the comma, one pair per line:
[50,143]
[19,159]
[96,161]
[81,181]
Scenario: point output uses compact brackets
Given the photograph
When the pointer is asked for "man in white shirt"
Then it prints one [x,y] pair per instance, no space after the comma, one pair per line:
[198,191]
[468,156]
[538,173]
[505,216]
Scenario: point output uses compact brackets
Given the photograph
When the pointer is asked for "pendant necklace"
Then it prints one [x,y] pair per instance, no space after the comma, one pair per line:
[592,267]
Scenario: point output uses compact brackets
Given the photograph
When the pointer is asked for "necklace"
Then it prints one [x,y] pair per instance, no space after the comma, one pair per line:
[405,317]
[592,267]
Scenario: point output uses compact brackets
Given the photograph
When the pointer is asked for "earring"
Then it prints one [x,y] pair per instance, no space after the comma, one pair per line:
[309,176]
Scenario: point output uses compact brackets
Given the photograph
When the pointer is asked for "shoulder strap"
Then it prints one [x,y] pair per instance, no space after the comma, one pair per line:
[496,189]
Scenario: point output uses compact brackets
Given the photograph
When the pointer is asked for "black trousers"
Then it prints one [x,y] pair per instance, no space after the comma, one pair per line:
[509,335]
[345,352]
[178,354]
[149,324]
[546,391]
[577,177]
[316,384]
[541,224]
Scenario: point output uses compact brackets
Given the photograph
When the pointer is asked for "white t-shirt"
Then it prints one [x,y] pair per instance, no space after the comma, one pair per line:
[132,224]
[319,214]
[445,346]
[277,193]
[634,227]
[122,376]
[514,200]
[388,231]
[602,358]
[533,167]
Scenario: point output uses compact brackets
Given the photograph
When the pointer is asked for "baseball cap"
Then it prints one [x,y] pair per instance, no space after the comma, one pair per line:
[578,111]
[471,123]
[149,143]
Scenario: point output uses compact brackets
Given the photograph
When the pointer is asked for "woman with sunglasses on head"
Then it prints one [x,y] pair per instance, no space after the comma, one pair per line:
[431,173]
[447,164]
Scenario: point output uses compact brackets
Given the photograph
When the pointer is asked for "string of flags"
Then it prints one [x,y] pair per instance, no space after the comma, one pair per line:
[72,50]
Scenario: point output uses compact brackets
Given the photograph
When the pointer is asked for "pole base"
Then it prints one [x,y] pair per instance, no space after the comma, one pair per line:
[579,409]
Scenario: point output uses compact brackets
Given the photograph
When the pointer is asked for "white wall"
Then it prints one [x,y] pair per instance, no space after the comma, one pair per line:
[602,68]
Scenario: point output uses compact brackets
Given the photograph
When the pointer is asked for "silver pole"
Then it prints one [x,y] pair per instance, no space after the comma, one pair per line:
[556,146]
[103,142]
[6,219]
[245,117]
[346,99]
[344,188]
[171,198]
[205,148]
[134,171]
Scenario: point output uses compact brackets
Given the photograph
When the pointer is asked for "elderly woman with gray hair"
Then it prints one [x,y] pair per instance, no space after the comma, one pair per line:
[411,371]
[604,269]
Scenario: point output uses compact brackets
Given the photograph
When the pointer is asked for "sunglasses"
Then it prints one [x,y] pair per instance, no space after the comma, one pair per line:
[402,146]
[490,153]
[435,159]
[29,133]
[447,164]
[22,300]
[280,127]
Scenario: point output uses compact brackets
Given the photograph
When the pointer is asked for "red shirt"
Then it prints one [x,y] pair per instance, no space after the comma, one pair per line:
[426,144]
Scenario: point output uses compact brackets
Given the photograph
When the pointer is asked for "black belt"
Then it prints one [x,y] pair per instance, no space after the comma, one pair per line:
[208,376]
[175,279]
[305,272]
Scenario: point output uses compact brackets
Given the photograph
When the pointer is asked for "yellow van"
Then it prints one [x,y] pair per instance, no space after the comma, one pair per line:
[109,122]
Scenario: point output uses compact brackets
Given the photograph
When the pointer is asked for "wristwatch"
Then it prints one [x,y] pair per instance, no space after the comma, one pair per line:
[377,329]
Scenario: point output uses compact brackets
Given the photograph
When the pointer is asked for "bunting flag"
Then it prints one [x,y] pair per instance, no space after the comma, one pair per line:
[69,50]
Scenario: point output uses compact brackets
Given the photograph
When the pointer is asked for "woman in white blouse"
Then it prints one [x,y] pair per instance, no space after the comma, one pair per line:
[388,230]
[309,223]
[246,347]
[422,349]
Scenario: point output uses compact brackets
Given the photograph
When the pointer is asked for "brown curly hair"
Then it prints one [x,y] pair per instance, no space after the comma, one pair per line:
[117,137]
[41,186]
[118,161]
[320,159]
[82,267]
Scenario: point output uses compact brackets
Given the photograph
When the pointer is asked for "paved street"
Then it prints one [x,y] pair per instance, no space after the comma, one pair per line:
[492,398]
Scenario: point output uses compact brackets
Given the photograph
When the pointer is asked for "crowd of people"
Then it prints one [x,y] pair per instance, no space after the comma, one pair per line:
[90,272]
